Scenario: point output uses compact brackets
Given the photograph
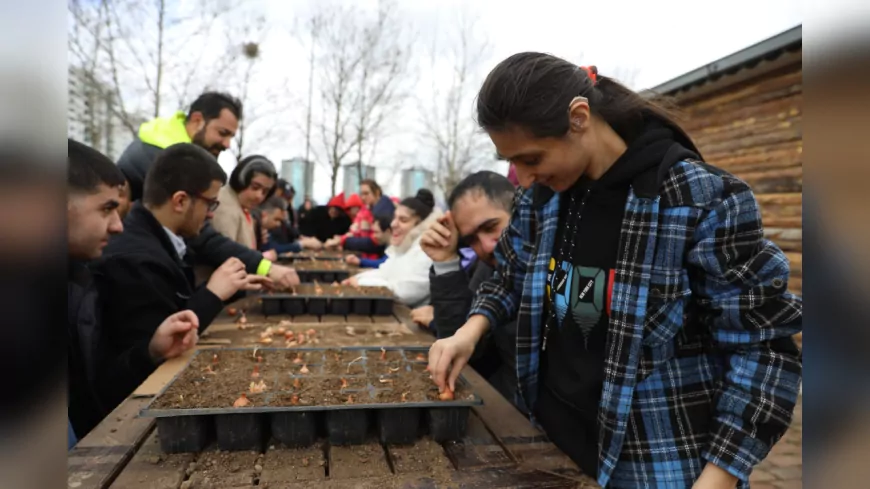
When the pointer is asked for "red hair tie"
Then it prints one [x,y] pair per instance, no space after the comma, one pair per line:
[592,72]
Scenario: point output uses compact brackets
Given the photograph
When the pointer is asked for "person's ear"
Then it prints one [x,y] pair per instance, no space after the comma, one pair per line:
[198,120]
[578,114]
[179,200]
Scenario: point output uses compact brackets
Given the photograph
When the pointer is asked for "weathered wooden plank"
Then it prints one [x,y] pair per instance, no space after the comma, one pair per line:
[528,446]
[225,469]
[356,318]
[423,458]
[99,457]
[306,318]
[286,465]
[528,479]
[791,199]
[789,239]
[367,460]
[755,92]
[385,320]
[477,449]
[333,319]
[150,468]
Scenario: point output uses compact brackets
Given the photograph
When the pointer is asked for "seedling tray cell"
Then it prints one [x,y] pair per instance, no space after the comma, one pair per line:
[351,392]
[237,432]
[446,424]
[398,426]
[319,299]
[295,429]
[347,427]
[184,433]
[308,255]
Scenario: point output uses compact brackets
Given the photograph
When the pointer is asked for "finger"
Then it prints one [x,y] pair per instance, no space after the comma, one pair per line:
[174,327]
[458,364]
[440,230]
[434,356]
[442,369]
[189,316]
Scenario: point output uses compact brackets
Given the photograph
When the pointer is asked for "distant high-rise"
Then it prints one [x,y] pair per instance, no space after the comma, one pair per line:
[351,177]
[414,179]
[300,174]
[92,115]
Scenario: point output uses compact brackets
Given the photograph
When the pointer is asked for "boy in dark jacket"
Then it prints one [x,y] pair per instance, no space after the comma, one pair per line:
[146,273]
[210,123]
[480,209]
[93,200]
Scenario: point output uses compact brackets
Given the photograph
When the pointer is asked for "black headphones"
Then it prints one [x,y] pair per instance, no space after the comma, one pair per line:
[257,164]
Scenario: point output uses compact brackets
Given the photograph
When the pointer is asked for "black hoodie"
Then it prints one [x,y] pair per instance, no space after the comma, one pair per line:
[581,276]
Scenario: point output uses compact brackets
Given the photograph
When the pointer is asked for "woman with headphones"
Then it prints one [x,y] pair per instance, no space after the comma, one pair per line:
[251,182]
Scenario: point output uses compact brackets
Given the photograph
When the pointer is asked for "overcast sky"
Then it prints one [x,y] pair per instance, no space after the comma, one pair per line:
[653,42]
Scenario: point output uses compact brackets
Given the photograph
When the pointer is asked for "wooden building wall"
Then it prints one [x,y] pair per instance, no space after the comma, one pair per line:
[753,130]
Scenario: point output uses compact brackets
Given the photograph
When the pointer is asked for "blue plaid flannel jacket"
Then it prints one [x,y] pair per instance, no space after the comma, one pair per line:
[700,363]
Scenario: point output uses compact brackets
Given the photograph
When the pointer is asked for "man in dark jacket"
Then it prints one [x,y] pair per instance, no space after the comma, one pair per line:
[146,273]
[480,209]
[93,200]
[211,123]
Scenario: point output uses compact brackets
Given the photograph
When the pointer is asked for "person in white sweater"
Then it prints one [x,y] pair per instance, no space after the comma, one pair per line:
[406,271]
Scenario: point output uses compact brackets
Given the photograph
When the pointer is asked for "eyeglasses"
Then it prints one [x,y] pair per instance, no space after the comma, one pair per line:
[212,203]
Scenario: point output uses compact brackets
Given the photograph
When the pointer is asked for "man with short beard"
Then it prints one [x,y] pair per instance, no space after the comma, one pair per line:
[211,123]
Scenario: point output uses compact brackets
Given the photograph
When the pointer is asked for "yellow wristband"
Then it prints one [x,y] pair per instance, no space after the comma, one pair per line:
[264,267]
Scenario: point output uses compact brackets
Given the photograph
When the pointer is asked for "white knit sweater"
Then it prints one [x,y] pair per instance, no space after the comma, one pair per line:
[406,270]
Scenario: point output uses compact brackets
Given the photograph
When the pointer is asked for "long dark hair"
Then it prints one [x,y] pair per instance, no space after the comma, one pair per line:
[534,90]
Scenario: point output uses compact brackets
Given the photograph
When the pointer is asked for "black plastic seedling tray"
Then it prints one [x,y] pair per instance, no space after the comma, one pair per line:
[249,428]
[299,304]
[325,276]
[314,255]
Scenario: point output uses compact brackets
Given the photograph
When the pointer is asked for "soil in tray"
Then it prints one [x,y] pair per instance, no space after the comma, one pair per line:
[206,383]
[332,290]
[320,265]
[331,378]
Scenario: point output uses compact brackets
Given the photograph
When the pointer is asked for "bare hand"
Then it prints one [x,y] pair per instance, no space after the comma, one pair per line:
[332,243]
[352,260]
[423,315]
[283,277]
[310,243]
[258,282]
[270,255]
[352,281]
[448,356]
[175,335]
[228,279]
[441,240]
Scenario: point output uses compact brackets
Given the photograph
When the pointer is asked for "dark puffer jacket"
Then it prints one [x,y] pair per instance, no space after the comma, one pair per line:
[211,247]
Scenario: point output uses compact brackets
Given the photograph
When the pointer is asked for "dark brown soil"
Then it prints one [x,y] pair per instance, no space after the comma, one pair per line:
[316,265]
[301,378]
[309,254]
[357,334]
[424,457]
[334,290]
[283,465]
[225,469]
[358,461]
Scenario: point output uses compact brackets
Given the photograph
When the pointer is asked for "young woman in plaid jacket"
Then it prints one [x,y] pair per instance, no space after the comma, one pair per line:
[654,323]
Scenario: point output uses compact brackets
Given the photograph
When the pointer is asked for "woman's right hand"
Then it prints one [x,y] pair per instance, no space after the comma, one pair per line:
[448,356]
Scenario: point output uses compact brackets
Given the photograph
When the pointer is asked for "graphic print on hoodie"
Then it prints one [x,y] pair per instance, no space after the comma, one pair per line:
[579,290]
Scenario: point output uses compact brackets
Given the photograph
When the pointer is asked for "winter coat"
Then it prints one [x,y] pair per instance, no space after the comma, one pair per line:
[142,281]
[231,220]
[406,270]
[211,247]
